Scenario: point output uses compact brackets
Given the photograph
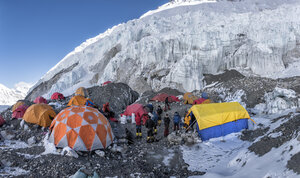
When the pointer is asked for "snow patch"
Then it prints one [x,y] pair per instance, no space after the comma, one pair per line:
[277,101]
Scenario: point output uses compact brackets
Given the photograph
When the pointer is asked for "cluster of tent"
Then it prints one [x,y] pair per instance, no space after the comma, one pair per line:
[212,119]
[84,128]
[78,126]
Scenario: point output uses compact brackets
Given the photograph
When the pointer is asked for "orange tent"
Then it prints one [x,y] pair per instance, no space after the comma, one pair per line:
[189,98]
[79,100]
[82,128]
[81,91]
[19,103]
[39,114]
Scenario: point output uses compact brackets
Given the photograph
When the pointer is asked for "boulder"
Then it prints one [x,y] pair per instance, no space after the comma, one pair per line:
[119,95]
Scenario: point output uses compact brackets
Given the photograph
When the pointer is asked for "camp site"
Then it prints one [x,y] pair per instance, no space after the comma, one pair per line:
[144,88]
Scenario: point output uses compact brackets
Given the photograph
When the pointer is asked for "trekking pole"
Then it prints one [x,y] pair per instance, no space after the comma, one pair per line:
[190,125]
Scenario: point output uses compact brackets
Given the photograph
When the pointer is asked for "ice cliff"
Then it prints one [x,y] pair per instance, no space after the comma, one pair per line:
[176,44]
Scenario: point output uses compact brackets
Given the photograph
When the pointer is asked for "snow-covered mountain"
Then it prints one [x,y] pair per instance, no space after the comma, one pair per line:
[174,45]
[10,96]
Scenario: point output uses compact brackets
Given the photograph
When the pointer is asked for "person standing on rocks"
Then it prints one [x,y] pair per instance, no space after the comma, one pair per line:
[155,119]
[167,106]
[159,112]
[176,121]
[167,124]
[150,125]
[138,124]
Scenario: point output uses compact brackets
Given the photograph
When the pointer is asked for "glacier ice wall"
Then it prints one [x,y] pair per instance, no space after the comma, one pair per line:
[176,46]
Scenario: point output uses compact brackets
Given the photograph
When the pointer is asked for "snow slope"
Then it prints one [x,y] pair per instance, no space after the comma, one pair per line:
[176,44]
[229,156]
[10,96]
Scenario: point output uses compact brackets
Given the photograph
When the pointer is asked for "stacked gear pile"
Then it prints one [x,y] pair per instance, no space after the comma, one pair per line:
[82,128]
[218,119]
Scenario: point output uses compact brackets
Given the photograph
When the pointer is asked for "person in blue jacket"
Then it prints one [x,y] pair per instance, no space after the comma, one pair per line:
[176,121]
[155,119]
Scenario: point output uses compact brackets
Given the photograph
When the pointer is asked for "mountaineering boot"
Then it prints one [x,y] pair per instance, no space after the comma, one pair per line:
[148,139]
[140,134]
[137,135]
[155,131]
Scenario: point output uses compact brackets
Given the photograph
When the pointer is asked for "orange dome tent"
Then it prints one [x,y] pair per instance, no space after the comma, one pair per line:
[81,91]
[79,100]
[39,114]
[189,98]
[82,128]
[19,103]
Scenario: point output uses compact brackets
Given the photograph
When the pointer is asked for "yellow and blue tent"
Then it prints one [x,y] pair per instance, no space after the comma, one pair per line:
[219,119]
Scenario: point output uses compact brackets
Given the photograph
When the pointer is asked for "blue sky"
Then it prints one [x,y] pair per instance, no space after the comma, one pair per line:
[36,34]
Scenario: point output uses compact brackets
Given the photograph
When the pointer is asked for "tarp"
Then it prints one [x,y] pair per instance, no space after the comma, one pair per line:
[89,102]
[2,121]
[81,91]
[57,96]
[19,103]
[82,128]
[162,97]
[189,98]
[40,99]
[39,114]
[134,108]
[202,101]
[20,111]
[218,119]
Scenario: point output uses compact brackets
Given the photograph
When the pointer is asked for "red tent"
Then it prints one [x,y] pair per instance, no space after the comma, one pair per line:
[20,111]
[105,83]
[57,96]
[40,99]
[162,97]
[199,101]
[134,108]
[2,121]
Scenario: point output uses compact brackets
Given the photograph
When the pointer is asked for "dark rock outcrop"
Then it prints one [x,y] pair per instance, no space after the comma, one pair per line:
[119,95]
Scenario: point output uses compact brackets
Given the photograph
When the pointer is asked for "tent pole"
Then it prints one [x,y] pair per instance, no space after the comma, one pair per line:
[190,125]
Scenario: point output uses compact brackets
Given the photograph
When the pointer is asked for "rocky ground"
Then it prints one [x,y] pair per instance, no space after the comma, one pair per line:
[24,151]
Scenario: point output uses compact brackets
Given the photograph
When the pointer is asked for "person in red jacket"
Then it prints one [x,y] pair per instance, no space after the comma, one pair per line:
[138,124]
